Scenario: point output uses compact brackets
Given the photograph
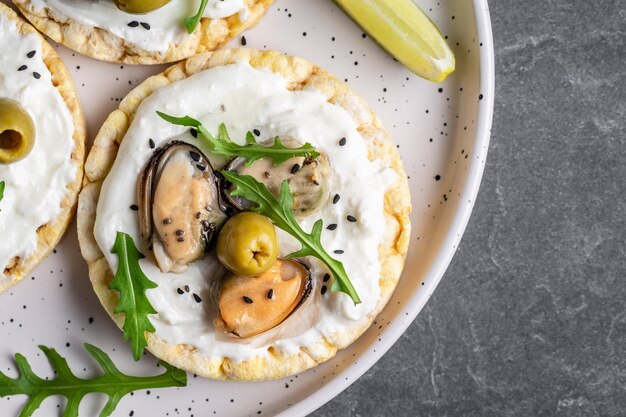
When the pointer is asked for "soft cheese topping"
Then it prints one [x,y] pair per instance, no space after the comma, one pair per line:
[165,24]
[248,99]
[36,185]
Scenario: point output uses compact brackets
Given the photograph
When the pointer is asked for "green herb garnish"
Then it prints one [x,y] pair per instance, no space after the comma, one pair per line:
[1,190]
[113,383]
[192,22]
[132,284]
[252,151]
[281,213]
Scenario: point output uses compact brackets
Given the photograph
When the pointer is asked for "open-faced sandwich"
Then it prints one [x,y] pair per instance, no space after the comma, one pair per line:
[247,212]
[42,135]
[143,31]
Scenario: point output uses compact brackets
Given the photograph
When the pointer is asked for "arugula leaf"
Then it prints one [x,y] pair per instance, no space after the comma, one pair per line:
[132,284]
[113,383]
[281,213]
[1,190]
[192,22]
[252,151]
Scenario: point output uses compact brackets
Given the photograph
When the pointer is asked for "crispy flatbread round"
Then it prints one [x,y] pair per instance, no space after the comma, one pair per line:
[102,44]
[300,74]
[49,234]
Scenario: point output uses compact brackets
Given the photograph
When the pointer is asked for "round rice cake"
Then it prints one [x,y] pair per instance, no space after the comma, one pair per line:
[98,29]
[41,190]
[217,80]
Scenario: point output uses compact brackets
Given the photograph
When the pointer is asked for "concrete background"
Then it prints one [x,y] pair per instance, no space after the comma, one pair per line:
[530,319]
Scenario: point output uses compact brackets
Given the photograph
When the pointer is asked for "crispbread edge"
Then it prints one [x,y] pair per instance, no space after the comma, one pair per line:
[49,234]
[102,44]
[300,74]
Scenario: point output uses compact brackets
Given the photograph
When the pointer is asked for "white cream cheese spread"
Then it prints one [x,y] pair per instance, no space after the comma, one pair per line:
[36,185]
[245,99]
[156,30]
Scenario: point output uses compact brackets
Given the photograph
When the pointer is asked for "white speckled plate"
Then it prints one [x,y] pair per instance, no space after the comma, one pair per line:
[443,134]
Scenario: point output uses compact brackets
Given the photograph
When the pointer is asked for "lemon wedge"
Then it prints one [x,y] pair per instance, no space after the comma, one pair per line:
[406,32]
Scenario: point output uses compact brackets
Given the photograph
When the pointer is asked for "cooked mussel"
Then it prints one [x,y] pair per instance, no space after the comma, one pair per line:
[309,179]
[180,208]
[17,131]
[139,6]
[250,305]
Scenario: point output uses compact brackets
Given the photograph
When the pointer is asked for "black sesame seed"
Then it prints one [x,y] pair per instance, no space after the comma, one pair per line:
[22,68]
[338,251]
[205,224]
[295,168]
[197,298]
[36,75]
[178,290]
[244,42]
[257,132]
[247,300]
[194,132]
[186,288]
[331,226]
[267,174]
[180,232]
[31,54]
[270,294]
[198,215]
[342,142]
[324,289]
[336,198]
[145,25]
[181,239]
[218,175]
[167,221]
[151,144]
[200,167]
[326,277]
[194,156]
[351,219]
[133,24]
[316,182]
[437,177]
[134,207]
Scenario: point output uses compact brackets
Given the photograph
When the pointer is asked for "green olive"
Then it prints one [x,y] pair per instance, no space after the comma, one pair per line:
[139,6]
[17,132]
[247,244]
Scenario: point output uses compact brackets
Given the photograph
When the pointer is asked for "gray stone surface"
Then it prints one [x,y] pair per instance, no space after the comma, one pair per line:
[530,319]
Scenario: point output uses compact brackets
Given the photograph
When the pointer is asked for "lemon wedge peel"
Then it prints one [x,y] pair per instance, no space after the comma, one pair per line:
[406,32]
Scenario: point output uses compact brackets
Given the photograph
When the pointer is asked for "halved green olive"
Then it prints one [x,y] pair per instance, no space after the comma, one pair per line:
[17,131]
[247,244]
[140,6]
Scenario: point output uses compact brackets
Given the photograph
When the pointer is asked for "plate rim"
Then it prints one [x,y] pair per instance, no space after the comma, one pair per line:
[452,238]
